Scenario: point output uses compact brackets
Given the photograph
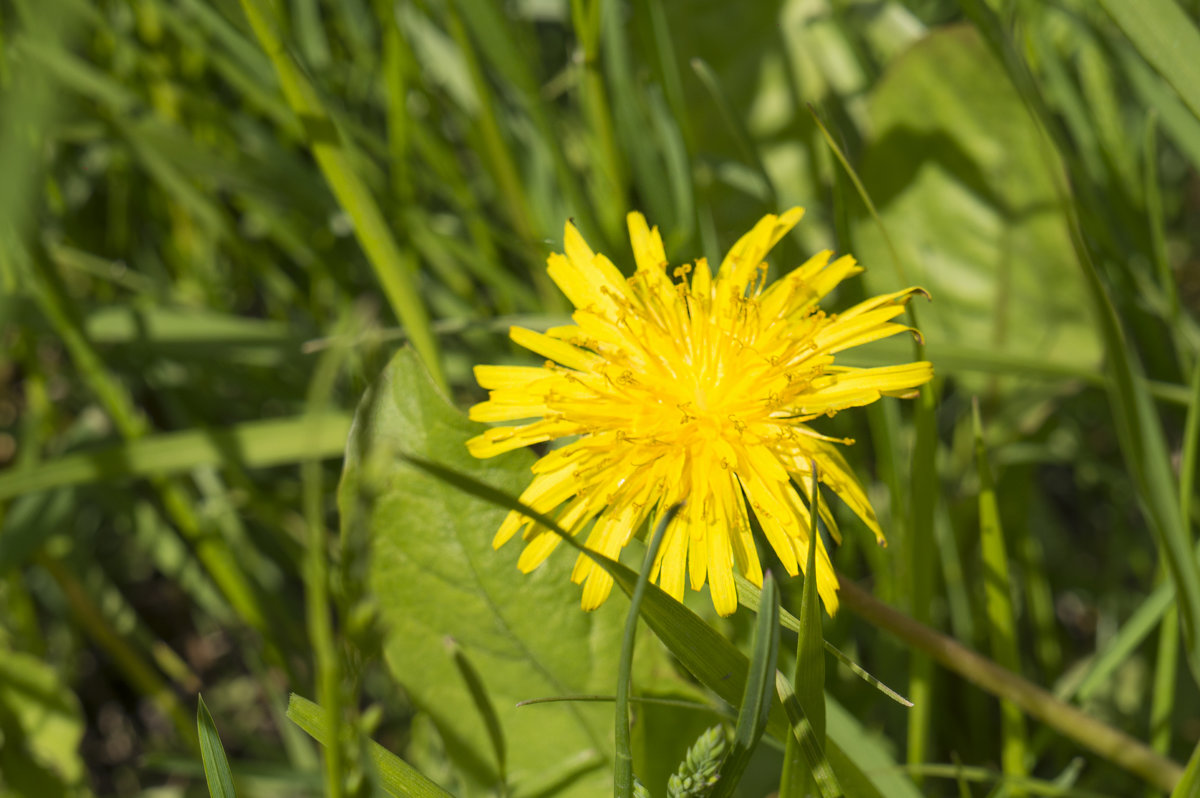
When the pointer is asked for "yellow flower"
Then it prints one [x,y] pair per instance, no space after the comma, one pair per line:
[699,391]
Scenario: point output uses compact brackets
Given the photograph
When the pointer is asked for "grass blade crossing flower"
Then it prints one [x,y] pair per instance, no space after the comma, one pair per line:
[685,386]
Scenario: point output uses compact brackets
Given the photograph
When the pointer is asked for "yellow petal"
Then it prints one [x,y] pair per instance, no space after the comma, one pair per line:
[560,351]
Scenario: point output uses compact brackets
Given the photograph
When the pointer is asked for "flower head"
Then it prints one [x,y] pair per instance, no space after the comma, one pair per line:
[685,385]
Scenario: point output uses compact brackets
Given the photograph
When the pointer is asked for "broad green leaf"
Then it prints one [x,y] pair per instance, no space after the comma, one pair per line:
[702,651]
[395,775]
[435,574]
[42,726]
[955,171]
[216,764]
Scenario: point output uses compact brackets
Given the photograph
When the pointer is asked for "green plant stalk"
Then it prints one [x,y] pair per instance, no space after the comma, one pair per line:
[141,675]
[623,749]
[393,267]
[1163,697]
[1117,747]
[737,126]
[1136,419]
[757,692]
[395,86]
[997,587]
[1158,239]
[1162,701]
[919,561]
[212,550]
[920,540]
[396,776]
[496,152]
[587,17]
[316,573]
[258,443]
[808,680]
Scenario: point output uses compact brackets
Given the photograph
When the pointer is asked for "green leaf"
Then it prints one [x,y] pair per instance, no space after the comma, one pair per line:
[1001,618]
[623,779]
[809,678]
[804,754]
[435,574]
[756,698]
[42,726]
[397,776]
[956,173]
[713,660]
[256,444]
[1189,785]
[216,765]
[1167,38]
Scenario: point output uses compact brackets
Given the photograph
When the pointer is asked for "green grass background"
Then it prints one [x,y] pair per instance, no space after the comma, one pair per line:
[219,220]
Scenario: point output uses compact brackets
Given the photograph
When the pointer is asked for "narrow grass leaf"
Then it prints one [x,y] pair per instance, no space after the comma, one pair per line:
[997,588]
[1167,38]
[256,444]
[756,698]
[393,267]
[736,126]
[809,678]
[814,758]
[399,778]
[216,764]
[483,705]
[1189,785]
[623,780]
[1117,747]
[706,654]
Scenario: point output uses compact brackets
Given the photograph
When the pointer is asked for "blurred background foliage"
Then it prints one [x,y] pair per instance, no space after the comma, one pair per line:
[213,235]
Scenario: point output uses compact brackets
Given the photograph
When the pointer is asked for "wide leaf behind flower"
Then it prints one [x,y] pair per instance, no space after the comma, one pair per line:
[435,575]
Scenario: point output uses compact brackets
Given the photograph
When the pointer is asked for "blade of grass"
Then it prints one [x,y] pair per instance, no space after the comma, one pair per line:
[487,711]
[1189,785]
[1117,747]
[212,550]
[588,20]
[393,267]
[712,659]
[756,698]
[216,764]
[316,575]
[748,596]
[1167,39]
[1160,602]
[737,127]
[498,154]
[809,677]
[140,673]
[399,778]
[623,749]
[255,444]
[997,587]
[1158,236]
[923,494]
[1136,420]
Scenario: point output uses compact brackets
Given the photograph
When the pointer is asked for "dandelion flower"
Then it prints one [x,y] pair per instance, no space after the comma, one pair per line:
[684,385]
